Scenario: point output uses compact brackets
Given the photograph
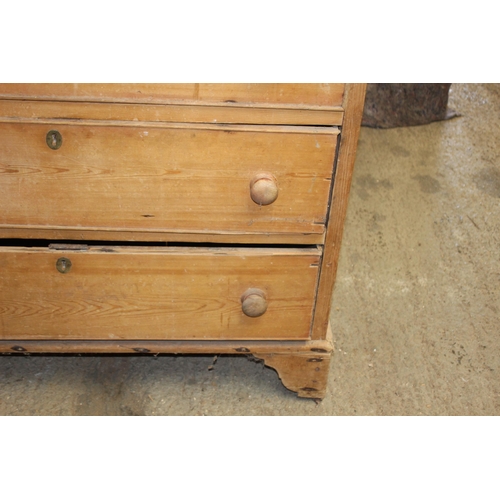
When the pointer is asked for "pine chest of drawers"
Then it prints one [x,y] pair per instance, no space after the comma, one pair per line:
[169,218]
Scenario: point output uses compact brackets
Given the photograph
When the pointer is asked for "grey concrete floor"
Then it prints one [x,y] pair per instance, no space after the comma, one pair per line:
[415,307]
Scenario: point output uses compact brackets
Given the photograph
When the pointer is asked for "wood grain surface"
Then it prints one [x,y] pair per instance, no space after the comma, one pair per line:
[307,94]
[354,100]
[193,113]
[199,163]
[176,178]
[127,293]
[245,347]
[305,374]
[225,237]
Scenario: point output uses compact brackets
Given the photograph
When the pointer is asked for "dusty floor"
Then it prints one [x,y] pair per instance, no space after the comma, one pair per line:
[415,308]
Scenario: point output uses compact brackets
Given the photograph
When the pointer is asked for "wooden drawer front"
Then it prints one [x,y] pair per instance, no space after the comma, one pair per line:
[301,94]
[164,178]
[175,113]
[151,293]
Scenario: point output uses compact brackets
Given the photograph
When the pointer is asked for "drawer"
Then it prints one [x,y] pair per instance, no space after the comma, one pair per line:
[119,176]
[170,293]
[284,94]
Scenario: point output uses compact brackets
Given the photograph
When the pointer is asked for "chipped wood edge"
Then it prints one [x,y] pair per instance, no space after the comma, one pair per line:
[305,373]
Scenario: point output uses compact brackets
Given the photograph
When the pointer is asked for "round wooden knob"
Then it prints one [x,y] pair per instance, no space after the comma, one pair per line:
[253,302]
[264,189]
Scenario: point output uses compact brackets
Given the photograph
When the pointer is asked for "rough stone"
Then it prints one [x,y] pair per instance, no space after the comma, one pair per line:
[391,105]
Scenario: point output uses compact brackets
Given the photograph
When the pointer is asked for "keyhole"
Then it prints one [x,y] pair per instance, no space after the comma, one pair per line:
[53,139]
[63,265]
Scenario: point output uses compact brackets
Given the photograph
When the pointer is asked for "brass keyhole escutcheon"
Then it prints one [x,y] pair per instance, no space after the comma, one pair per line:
[53,139]
[63,265]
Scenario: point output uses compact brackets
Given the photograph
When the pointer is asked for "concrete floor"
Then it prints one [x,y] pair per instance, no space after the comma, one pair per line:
[415,308]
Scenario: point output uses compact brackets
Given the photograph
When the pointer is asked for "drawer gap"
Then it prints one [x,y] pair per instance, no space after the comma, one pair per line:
[85,244]
[237,245]
[42,243]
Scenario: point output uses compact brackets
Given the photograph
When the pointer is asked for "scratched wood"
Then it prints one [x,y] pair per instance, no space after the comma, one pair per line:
[160,162]
[228,113]
[355,95]
[307,375]
[254,347]
[122,176]
[127,293]
[304,94]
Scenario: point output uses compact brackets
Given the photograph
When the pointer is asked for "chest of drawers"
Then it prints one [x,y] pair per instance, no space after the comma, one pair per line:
[196,218]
